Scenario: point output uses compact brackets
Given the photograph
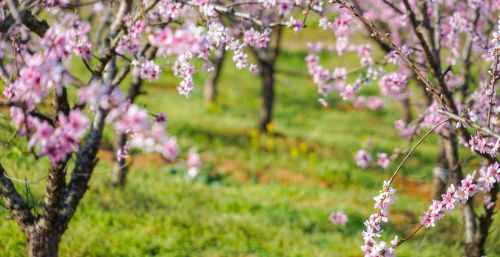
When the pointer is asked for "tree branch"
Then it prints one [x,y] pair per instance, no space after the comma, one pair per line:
[482,129]
[85,163]
[29,20]
[17,207]
[53,198]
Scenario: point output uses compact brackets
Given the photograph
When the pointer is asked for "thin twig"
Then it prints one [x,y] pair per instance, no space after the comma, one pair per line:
[413,149]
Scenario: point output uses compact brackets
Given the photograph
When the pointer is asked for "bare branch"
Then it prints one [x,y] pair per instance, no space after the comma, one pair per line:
[413,149]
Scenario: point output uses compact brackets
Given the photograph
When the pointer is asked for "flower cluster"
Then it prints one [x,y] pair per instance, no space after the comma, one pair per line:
[336,81]
[393,85]
[150,70]
[373,229]
[145,133]
[131,42]
[488,177]
[255,38]
[484,145]
[37,79]
[57,143]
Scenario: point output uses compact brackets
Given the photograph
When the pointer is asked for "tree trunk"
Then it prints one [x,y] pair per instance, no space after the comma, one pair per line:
[266,109]
[485,222]
[472,248]
[440,174]
[406,107]
[42,244]
[210,89]
[120,168]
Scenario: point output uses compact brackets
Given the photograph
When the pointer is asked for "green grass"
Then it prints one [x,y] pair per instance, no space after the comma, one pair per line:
[258,195]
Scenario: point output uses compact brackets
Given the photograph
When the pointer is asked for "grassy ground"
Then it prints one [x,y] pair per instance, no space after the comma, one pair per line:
[257,195]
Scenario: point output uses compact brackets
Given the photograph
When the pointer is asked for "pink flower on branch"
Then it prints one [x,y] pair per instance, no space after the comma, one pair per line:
[150,70]
[467,189]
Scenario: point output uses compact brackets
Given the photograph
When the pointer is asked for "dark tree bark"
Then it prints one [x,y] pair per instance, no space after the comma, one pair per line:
[29,20]
[485,222]
[210,89]
[43,244]
[440,174]
[266,58]
[406,108]
[18,209]
[266,108]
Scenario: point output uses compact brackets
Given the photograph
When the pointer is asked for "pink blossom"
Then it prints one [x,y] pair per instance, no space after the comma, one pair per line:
[341,25]
[256,39]
[253,68]
[406,131]
[488,202]
[467,188]
[194,163]
[339,74]
[170,149]
[393,85]
[484,145]
[338,218]
[450,198]
[341,45]
[84,50]
[74,125]
[383,160]
[296,25]
[123,153]
[150,70]
[240,58]
[374,103]
[363,159]
[133,120]
[373,230]
[365,55]
[184,70]
[43,132]
[323,102]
